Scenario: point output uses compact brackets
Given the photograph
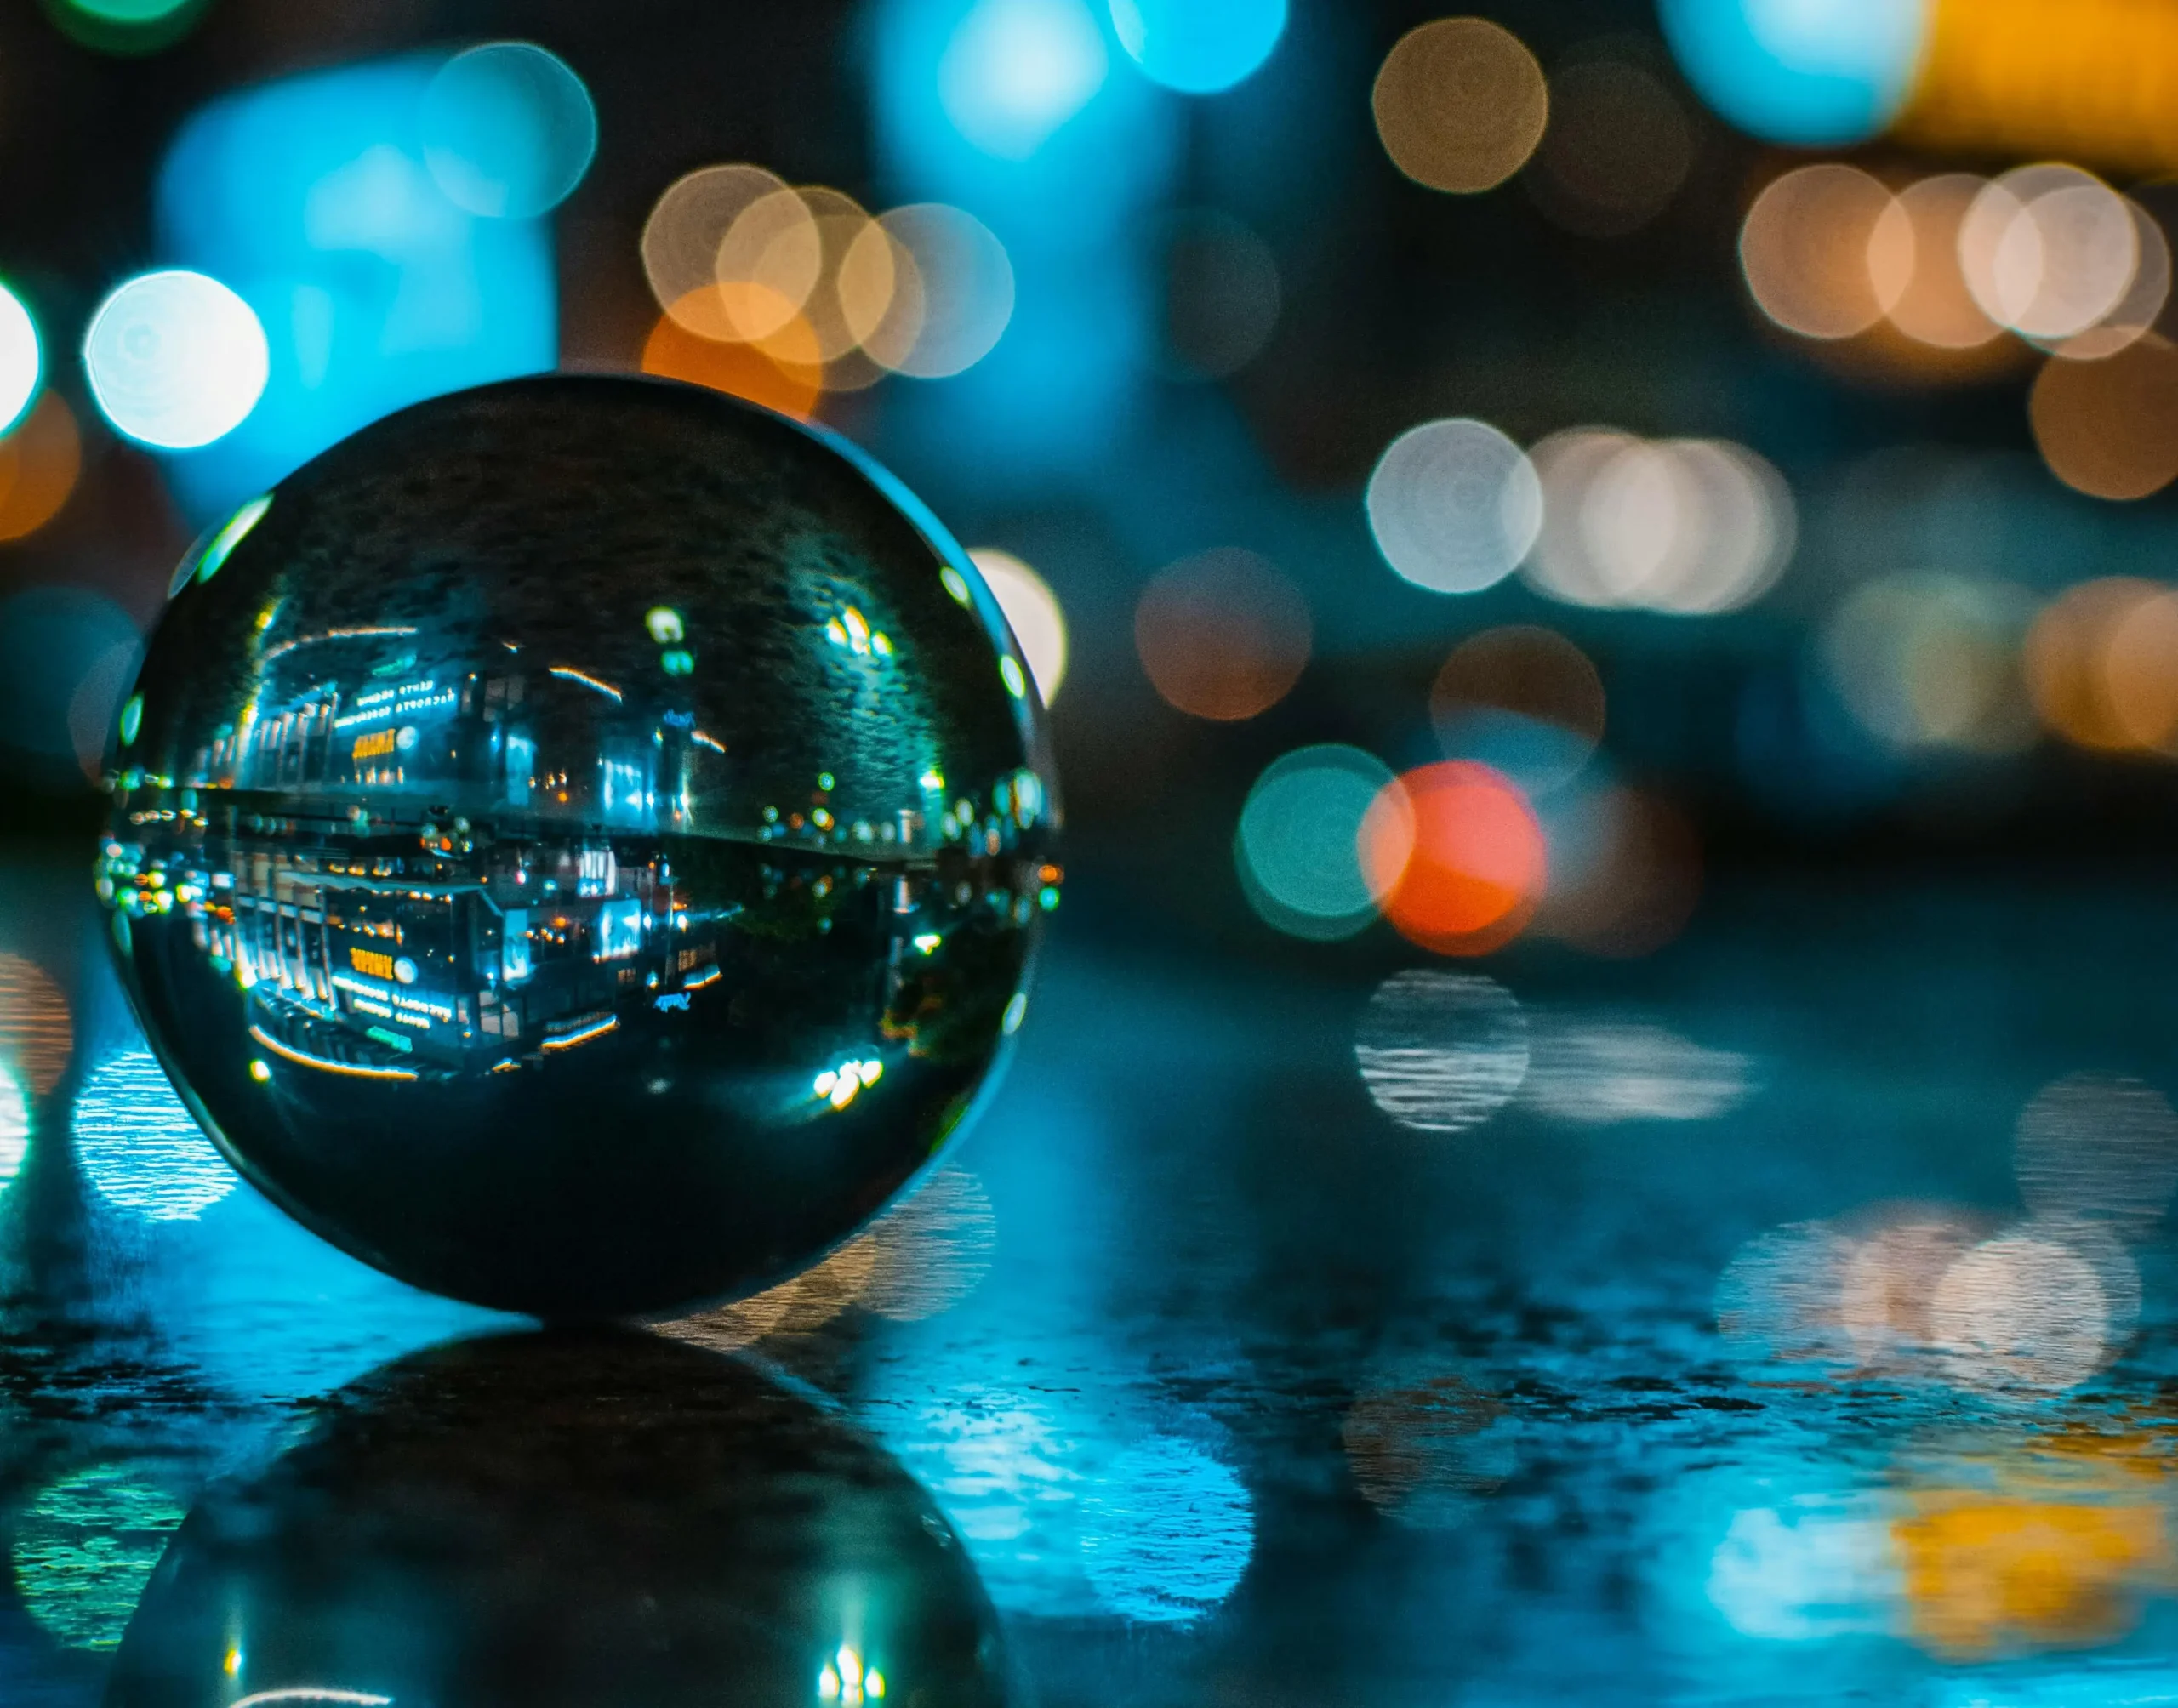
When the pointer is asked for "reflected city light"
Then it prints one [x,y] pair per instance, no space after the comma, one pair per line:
[1599,1072]
[1422,1455]
[39,462]
[1460,104]
[1454,505]
[1032,612]
[37,1036]
[176,360]
[1442,1052]
[1298,845]
[1931,662]
[508,130]
[2110,429]
[1809,75]
[1523,700]
[1617,150]
[1456,853]
[930,1252]
[1015,71]
[1199,47]
[1826,251]
[2021,1312]
[2099,1147]
[85,1547]
[1223,635]
[1937,307]
[140,1149]
[1222,294]
[22,364]
[1167,1533]
[14,1128]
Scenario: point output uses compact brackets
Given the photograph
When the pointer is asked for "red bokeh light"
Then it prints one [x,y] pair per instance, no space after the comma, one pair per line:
[1455,857]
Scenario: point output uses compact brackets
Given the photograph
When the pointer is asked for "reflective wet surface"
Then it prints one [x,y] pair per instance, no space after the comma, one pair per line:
[1787,1317]
[578,844]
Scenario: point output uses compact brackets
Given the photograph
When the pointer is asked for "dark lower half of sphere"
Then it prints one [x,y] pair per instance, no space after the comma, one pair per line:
[571,1075]
[544,1520]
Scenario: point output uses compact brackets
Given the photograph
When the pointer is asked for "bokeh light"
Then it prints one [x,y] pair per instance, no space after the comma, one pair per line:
[2102,665]
[2020,1311]
[1199,47]
[1625,871]
[1222,294]
[1457,857]
[140,1149]
[1032,612]
[126,26]
[782,372]
[1617,150]
[928,290]
[1931,662]
[839,221]
[1936,307]
[1454,505]
[2139,310]
[2049,251]
[508,130]
[1420,1453]
[1826,251]
[1298,846]
[14,1128]
[1813,75]
[1015,71]
[37,1036]
[1599,1072]
[84,1548]
[683,235]
[1168,1531]
[1692,527]
[176,360]
[1523,700]
[2110,429]
[2100,1147]
[1460,104]
[1223,635]
[39,463]
[767,265]
[1441,1052]
[22,363]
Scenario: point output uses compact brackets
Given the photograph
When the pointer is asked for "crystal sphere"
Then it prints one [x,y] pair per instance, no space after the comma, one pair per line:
[554,1520]
[578,844]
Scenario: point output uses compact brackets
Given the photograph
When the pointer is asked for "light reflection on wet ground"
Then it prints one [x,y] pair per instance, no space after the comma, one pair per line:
[1237,1389]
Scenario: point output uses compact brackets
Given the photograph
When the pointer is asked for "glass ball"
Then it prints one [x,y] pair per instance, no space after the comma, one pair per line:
[578,844]
[551,1521]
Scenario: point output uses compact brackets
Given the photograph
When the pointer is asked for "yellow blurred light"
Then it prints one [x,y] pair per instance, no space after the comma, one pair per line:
[1617,150]
[1223,635]
[767,265]
[784,371]
[39,462]
[1460,104]
[1032,612]
[684,234]
[36,1034]
[2140,673]
[1826,251]
[1930,661]
[2095,667]
[2110,429]
[841,221]
[1936,308]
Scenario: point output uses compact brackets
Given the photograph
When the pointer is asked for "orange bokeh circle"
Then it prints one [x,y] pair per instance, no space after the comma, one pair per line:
[1455,857]
[784,371]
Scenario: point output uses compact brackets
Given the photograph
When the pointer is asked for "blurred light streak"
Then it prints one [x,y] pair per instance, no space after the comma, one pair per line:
[1937,308]
[1826,251]
[40,461]
[141,1150]
[2099,1146]
[1810,1570]
[1032,612]
[1222,294]
[176,360]
[22,362]
[1199,47]
[508,130]
[36,1034]
[1617,150]
[84,1548]
[1601,1072]
[1781,1296]
[1456,855]
[783,372]
[932,1249]
[1421,1454]
[1460,104]
[2110,429]
[1454,505]
[1297,847]
[1441,1052]
[1931,662]
[1811,73]
[1523,700]
[1015,71]
[1626,872]
[14,1128]
[1223,635]
[2102,665]
[1167,1531]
